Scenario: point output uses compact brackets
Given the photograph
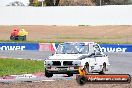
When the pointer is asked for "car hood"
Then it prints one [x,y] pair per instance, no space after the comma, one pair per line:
[65,56]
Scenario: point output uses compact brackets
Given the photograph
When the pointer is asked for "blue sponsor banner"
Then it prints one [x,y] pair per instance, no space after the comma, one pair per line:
[19,46]
[35,46]
[116,47]
[113,47]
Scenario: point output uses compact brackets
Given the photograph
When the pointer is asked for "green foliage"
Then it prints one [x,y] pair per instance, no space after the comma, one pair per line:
[36,3]
[15,66]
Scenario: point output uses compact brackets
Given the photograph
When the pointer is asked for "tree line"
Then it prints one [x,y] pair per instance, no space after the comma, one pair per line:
[78,2]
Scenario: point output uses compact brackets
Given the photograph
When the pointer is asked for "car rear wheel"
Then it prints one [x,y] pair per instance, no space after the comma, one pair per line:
[103,69]
[86,68]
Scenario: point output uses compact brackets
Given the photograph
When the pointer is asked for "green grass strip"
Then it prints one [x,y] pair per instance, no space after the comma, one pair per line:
[15,66]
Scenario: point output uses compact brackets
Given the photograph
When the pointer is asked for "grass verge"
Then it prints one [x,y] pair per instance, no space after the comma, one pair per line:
[15,66]
[59,41]
[30,41]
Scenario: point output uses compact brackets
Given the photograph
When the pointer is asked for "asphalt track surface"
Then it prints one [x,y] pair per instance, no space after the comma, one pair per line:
[120,63]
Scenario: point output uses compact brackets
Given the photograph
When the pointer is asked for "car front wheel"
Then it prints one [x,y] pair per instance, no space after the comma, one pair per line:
[47,74]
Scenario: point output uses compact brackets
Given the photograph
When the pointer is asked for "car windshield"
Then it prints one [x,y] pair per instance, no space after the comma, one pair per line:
[72,48]
[97,49]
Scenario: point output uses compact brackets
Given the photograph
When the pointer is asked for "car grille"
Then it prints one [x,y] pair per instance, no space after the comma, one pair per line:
[56,63]
[67,63]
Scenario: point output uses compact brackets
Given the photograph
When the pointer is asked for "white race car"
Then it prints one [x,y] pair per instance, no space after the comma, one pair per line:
[72,55]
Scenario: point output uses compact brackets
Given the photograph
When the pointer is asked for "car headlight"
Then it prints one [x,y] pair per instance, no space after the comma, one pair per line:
[49,63]
[77,63]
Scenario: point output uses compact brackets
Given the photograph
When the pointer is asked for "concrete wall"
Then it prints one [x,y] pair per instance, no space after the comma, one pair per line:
[70,15]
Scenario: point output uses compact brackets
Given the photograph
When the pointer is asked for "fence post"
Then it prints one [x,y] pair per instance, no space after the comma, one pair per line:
[100,2]
[54,2]
[42,3]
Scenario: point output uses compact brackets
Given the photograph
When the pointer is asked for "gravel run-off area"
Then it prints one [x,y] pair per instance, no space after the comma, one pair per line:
[63,84]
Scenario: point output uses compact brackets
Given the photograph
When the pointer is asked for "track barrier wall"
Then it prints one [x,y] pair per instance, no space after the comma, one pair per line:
[53,46]
[67,15]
